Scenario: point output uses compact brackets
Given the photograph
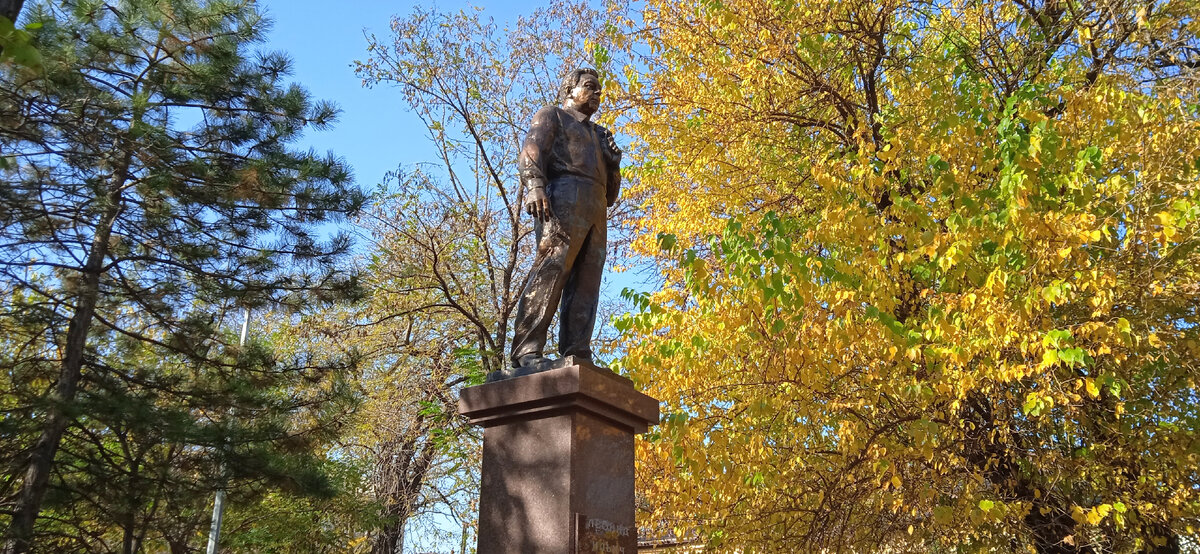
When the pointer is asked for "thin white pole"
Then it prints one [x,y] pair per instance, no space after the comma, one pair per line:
[245,327]
[214,532]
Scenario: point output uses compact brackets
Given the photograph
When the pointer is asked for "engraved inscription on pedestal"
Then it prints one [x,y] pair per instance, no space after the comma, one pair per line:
[599,536]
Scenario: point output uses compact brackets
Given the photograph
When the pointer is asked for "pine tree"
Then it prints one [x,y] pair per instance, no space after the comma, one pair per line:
[151,186]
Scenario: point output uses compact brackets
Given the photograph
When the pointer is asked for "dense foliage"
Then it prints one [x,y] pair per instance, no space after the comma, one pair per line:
[931,273]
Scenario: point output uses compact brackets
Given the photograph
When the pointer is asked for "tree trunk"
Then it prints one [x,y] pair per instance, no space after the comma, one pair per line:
[11,9]
[406,479]
[37,475]
[128,540]
[391,537]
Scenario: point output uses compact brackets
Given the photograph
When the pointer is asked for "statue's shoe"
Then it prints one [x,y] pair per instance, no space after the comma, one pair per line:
[536,363]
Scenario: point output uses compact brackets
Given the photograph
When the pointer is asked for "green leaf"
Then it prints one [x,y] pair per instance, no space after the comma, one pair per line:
[1072,356]
[666,241]
[1056,338]
[1033,405]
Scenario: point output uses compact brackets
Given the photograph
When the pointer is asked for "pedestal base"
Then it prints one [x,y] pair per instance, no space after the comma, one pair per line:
[558,460]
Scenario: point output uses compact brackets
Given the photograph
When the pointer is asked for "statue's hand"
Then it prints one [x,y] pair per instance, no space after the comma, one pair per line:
[613,148]
[537,204]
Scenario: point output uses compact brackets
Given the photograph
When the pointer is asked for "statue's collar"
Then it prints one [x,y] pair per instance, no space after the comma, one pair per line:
[578,115]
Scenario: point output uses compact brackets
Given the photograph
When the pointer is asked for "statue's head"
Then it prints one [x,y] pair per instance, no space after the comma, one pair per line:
[580,89]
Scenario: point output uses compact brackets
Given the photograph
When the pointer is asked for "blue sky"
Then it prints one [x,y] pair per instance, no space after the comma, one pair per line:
[374,133]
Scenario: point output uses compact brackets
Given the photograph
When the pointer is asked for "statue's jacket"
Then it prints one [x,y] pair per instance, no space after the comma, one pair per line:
[571,156]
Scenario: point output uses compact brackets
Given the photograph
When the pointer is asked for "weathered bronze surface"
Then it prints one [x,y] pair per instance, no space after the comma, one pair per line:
[571,170]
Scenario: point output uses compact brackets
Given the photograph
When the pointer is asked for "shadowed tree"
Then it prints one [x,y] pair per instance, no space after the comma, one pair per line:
[152,184]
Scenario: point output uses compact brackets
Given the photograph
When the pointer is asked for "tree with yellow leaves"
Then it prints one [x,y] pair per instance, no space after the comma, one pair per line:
[931,273]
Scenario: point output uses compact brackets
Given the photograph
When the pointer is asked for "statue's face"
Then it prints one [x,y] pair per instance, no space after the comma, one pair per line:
[585,97]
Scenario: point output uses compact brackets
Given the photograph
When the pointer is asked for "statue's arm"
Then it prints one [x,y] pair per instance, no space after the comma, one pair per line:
[533,161]
[612,161]
[535,151]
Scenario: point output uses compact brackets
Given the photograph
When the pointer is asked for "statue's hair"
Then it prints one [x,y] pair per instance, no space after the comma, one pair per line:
[571,79]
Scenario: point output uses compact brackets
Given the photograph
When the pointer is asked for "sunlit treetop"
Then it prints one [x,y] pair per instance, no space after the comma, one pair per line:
[930,272]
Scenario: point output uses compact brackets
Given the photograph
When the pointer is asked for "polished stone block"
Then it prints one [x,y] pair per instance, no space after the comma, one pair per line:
[558,460]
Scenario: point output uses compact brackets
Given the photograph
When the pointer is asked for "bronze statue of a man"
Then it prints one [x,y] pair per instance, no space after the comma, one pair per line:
[571,170]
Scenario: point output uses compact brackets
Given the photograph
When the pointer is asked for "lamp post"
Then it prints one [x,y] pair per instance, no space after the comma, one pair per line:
[214,532]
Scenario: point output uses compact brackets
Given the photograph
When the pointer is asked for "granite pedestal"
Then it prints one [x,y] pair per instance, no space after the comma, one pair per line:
[558,460]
